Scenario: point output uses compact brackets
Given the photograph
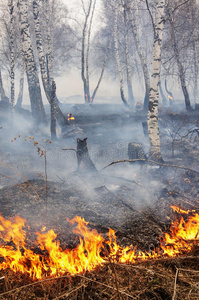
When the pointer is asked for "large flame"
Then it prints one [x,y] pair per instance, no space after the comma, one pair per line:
[53,260]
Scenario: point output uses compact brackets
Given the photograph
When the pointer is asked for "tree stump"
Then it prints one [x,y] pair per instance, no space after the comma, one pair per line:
[84,161]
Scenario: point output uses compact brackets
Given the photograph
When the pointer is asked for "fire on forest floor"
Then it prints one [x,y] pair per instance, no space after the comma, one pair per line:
[166,279]
[115,272]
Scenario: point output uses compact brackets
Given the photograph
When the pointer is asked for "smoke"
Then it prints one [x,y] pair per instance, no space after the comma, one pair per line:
[112,196]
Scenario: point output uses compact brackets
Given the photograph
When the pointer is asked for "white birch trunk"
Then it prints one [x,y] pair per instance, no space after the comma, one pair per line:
[84,79]
[53,112]
[127,60]
[43,68]
[21,82]
[118,59]
[196,69]
[49,13]
[2,91]
[87,53]
[37,107]
[12,53]
[153,128]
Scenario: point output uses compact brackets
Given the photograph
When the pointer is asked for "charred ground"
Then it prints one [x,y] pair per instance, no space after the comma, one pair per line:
[135,201]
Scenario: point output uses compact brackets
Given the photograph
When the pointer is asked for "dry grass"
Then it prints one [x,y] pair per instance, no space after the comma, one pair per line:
[176,278]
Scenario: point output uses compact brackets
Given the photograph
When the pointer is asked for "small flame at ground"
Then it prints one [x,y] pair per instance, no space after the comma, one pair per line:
[170,97]
[70,117]
[16,255]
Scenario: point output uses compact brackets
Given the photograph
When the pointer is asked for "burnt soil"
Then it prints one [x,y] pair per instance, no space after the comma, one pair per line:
[133,200]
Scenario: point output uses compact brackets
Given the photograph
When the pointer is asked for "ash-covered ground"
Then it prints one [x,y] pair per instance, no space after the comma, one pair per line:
[132,199]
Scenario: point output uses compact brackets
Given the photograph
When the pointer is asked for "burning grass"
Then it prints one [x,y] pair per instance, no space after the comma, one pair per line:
[158,279]
[98,267]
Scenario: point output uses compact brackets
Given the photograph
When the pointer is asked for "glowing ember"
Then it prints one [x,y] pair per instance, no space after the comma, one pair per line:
[170,97]
[70,117]
[16,256]
[139,106]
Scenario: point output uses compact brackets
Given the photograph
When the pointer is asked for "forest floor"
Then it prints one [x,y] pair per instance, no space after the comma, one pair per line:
[134,201]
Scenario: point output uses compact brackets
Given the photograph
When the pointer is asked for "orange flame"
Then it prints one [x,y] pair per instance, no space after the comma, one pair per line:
[87,255]
[70,117]
[170,97]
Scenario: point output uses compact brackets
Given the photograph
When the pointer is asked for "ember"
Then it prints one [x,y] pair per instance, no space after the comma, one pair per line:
[87,255]
[70,117]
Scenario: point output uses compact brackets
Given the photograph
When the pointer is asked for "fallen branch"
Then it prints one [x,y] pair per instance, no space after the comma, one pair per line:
[69,149]
[150,161]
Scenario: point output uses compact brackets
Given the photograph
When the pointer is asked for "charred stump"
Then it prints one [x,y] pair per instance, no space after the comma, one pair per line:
[136,151]
[84,161]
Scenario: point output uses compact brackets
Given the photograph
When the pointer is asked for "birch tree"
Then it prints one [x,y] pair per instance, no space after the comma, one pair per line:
[178,60]
[127,59]
[142,57]
[86,44]
[48,29]
[103,69]
[12,52]
[21,82]
[53,111]
[115,34]
[46,73]
[2,91]
[153,128]
[84,65]
[37,107]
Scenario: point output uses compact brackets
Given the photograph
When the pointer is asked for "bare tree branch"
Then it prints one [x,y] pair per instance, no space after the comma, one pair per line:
[148,161]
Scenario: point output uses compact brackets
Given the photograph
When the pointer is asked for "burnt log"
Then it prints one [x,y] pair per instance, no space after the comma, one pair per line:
[136,151]
[84,161]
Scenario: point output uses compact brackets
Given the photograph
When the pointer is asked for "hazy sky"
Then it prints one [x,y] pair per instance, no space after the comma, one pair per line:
[71,84]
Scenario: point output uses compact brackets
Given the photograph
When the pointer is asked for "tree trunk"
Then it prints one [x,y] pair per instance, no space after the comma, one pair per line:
[164,99]
[49,39]
[84,162]
[103,69]
[142,57]
[2,91]
[85,83]
[196,64]
[118,59]
[37,107]
[127,61]
[170,95]
[46,79]
[53,112]
[21,82]
[153,128]
[179,64]
[12,54]
[87,53]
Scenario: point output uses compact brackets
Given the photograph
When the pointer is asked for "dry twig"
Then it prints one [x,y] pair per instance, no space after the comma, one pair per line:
[175,285]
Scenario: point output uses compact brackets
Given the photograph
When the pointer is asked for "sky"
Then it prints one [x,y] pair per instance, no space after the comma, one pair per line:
[73,81]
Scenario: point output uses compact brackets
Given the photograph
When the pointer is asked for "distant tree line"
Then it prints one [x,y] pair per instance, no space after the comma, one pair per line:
[149,41]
